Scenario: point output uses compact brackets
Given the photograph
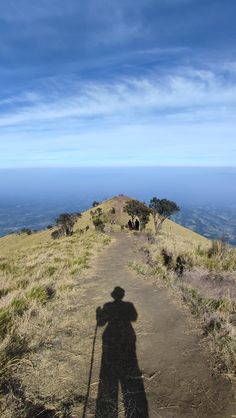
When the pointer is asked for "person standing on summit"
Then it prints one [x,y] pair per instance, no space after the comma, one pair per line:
[136,225]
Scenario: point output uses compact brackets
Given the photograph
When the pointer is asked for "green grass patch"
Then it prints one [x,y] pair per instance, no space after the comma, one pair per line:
[40,294]
[202,304]
[81,261]
[19,306]
[51,270]
[8,267]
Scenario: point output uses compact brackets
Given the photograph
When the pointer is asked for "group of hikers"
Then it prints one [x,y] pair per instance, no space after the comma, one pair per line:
[133,225]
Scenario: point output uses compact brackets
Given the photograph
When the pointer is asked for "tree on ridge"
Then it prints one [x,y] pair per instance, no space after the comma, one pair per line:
[138,209]
[161,210]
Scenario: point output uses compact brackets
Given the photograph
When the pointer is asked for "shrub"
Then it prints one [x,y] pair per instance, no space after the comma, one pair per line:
[27,231]
[57,234]
[217,249]
[214,323]
[66,222]
[99,224]
[167,258]
[183,262]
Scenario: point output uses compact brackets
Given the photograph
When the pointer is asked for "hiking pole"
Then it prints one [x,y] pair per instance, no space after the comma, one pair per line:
[90,373]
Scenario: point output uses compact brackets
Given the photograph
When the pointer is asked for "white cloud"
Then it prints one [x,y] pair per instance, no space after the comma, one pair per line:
[187,94]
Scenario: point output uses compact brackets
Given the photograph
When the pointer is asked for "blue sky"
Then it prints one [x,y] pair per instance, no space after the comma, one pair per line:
[117,83]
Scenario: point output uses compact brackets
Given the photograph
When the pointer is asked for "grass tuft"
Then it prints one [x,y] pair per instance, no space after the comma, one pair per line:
[41,294]
[5,321]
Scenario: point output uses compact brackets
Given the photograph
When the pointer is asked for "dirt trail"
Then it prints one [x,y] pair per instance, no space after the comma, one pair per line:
[178,381]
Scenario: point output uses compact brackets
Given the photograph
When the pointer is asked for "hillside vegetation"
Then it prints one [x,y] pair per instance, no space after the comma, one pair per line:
[39,274]
[202,271]
[36,275]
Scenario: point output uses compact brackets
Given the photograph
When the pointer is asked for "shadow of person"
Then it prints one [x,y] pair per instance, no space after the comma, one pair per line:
[119,365]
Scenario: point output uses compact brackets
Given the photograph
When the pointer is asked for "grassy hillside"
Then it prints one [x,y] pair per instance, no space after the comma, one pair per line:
[121,218]
[203,273]
[38,275]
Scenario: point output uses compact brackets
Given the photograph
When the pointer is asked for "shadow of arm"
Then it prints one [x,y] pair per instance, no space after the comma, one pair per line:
[101,316]
[133,315]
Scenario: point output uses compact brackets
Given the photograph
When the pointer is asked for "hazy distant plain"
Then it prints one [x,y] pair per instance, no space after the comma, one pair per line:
[34,197]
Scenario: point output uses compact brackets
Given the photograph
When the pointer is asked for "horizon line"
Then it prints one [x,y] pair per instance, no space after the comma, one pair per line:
[117,166]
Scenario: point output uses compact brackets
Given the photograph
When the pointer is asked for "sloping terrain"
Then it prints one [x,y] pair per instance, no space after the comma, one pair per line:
[174,368]
[49,294]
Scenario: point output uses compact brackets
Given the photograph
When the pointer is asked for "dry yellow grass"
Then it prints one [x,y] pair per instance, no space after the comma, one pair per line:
[32,266]
[40,281]
[207,285]
[38,275]
[170,228]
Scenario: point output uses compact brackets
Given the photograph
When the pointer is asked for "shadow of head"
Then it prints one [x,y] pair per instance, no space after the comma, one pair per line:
[118,293]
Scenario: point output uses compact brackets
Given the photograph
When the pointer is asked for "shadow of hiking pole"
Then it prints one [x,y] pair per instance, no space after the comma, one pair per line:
[90,373]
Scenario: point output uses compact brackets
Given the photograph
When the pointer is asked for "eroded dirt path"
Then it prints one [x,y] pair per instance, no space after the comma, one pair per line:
[176,375]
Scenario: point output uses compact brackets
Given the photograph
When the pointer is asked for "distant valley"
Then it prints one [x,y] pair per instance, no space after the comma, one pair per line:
[210,221]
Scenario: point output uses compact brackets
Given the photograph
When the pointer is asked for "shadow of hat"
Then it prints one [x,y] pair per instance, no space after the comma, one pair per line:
[118,293]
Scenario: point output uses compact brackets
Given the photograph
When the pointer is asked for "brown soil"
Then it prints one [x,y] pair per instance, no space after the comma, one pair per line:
[174,367]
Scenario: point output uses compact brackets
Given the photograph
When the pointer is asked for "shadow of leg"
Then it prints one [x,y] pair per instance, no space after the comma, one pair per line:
[134,397]
[107,399]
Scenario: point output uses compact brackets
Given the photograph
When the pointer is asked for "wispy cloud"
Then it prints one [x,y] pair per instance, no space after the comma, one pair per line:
[100,82]
[184,117]
[188,94]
